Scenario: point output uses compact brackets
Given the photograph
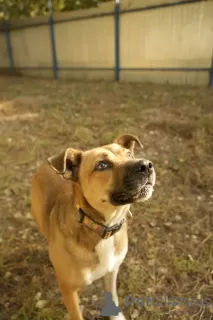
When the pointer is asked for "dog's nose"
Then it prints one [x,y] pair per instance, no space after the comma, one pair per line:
[144,166]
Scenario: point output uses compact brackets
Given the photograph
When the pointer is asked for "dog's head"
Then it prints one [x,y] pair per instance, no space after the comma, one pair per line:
[109,175]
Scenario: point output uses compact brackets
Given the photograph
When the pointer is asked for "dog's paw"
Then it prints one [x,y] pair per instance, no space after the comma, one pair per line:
[120,316]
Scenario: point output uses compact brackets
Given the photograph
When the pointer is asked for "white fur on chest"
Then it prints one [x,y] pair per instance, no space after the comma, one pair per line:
[108,261]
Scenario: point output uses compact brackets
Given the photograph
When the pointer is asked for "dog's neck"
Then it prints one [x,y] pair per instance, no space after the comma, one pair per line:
[117,215]
[106,218]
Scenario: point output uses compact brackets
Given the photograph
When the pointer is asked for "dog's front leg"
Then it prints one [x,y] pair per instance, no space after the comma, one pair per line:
[71,301]
[110,285]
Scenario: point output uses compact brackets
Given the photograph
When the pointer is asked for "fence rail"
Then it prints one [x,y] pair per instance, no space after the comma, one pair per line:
[8,28]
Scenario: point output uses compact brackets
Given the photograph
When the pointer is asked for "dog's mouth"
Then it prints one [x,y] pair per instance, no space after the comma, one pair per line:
[146,191]
[141,192]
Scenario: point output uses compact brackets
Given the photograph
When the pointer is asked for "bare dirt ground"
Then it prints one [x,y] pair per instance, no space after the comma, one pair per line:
[170,236]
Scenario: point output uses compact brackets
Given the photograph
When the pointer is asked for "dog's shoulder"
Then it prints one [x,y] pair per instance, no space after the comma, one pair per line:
[49,190]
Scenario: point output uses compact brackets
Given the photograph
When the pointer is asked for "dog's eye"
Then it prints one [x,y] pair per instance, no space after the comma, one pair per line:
[102,165]
[129,155]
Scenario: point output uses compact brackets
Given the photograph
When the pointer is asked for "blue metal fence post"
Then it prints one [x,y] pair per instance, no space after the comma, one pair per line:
[211,73]
[117,40]
[52,39]
[9,47]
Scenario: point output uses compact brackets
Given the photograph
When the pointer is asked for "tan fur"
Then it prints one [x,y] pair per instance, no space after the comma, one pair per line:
[55,202]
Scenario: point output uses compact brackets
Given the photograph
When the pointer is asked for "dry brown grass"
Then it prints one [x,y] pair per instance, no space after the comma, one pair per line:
[171,236]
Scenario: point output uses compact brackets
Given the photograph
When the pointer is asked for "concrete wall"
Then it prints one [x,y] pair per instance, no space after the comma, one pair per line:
[86,43]
[180,36]
[4,60]
[172,37]
[31,47]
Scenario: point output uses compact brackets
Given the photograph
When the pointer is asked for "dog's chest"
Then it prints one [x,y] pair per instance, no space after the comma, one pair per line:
[108,259]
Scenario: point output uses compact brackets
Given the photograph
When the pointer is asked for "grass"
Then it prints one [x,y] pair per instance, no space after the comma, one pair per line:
[170,236]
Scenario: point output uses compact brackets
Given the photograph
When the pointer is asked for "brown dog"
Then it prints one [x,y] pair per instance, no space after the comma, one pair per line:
[80,200]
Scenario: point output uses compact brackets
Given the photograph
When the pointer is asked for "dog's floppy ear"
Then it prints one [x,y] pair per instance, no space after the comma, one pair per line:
[128,141]
[66,163]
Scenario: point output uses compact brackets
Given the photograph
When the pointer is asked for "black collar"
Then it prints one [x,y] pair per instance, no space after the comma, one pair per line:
[104,231]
